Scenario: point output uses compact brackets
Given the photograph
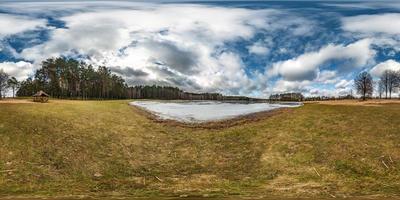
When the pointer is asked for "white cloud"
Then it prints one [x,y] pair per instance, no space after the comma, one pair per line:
[13,24]
[320,92]
[306,66]
[82,39]
[341,88]
[344,87]
[317,87]
[176,44]
[20,70]
[380,23]
[321,81]
[387,43]
[258,48]
[327,76]
[282,85]
[106,31]
[378,69]
[342,84]
[182,38]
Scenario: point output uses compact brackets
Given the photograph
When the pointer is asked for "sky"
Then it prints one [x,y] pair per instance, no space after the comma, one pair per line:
[247,48]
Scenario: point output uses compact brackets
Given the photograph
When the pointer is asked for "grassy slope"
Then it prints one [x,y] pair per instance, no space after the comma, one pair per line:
[88,147]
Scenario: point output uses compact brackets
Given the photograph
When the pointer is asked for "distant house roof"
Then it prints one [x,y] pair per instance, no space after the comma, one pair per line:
[41,94]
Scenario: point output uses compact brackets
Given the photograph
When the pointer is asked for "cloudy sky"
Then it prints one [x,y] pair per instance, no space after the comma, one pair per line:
[236,48]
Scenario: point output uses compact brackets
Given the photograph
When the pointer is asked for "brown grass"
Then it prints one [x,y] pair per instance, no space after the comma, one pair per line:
[356,102]
[15,101]
[108,148]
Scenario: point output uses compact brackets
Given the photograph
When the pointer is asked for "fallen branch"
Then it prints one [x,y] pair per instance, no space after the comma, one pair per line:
[158,179]
[316,172]
[383,162]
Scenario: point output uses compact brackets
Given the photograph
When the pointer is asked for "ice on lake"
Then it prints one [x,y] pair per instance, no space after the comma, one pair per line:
[204,111]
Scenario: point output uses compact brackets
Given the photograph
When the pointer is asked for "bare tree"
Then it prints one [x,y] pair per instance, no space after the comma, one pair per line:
[390,81]
[381,88]
[384,81]
[364,85]
[397,84]
[393,82]
[3,82]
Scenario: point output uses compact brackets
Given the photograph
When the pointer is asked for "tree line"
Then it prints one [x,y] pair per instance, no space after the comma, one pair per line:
[71,79]
[287,97]
[169,93]
[388,83]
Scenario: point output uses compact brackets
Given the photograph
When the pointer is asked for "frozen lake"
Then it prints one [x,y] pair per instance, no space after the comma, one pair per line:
[204,111]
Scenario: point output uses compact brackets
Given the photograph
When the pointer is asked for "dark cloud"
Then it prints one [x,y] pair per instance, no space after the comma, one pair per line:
[129,72]
[304,76]
[167,76]
[173,79]
[167,53]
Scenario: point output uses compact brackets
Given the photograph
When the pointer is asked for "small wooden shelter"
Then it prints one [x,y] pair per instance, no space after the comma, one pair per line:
[41,97]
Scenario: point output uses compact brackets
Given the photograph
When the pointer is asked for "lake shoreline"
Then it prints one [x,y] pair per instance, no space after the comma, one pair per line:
[216,124]
[206,112]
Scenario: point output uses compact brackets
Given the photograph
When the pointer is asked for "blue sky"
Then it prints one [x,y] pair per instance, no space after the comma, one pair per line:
[237,48]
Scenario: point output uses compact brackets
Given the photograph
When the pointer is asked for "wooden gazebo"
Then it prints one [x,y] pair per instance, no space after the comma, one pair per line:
[41,97]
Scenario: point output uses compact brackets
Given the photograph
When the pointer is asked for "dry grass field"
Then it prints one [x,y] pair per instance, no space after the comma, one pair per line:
[108,148]
[371,102]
